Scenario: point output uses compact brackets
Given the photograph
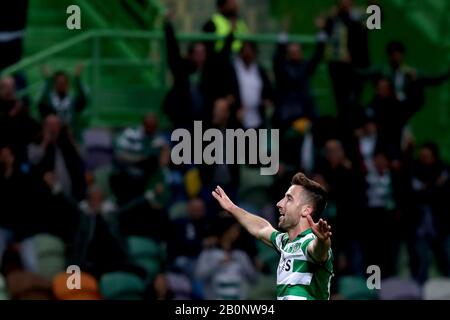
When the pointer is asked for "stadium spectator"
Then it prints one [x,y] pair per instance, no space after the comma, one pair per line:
[391,117]
[222,22]
[406,80]
[226,272]
[138,153]
[56,151]
[98,246]
[292,73]
[17,127]
[252,89]
[185,101]
[346,51]
[227,175]
[198,79]
[188,237]
[21,195]
[381,210]
[345,190]
[427,221]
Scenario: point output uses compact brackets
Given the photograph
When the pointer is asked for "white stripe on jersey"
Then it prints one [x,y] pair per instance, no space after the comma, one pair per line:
[291,298]
[294,278]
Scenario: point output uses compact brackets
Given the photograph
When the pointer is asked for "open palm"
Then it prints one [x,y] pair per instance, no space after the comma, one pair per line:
[321,229]
[223,199]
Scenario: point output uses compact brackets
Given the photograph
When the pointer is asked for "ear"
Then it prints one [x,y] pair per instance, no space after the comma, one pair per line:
[306,210]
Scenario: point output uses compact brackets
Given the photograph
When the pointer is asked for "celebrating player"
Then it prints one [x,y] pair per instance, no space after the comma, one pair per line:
[306,267]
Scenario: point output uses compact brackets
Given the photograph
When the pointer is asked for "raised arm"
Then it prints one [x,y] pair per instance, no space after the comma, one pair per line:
[256,226]
[322,37]
[319,247]
[174,58]
[81,97]
[436,80]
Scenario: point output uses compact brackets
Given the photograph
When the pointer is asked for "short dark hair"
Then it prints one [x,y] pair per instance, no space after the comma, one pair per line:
[315,192]
[192,45]
[60,73]
[433,147]
[252,45]
[395,46]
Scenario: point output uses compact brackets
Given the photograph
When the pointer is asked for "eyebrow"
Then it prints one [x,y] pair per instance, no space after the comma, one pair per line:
[288,195]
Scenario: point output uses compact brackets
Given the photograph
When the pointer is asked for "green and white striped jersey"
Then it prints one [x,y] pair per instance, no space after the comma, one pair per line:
[299,277]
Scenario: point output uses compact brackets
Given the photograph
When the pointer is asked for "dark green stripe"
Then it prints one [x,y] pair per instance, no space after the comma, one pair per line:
[298,290]
[223,285]
[305,245]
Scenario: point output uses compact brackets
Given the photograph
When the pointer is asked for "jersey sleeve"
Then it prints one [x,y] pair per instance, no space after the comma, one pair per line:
[305,244]
[304,247]
[275,239]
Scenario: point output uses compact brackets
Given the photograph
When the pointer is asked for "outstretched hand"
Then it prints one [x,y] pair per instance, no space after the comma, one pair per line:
[321,229]
[223,199]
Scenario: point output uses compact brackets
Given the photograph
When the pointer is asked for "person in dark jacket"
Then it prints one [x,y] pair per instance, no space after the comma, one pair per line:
[346,52]
[391,116]
[56,151]
[197,79]
[292,73]
[57,98]
[17,127]
[427,220]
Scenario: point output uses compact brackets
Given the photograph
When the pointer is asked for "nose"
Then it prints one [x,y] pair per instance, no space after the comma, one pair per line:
[279,204]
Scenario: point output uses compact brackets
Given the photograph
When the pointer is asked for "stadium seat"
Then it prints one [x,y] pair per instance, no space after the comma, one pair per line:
[355,288]
[399,289]
[437,289]
[121,286]
[24,285]
[4,295]
[50,252]
[89,289]
[145,253]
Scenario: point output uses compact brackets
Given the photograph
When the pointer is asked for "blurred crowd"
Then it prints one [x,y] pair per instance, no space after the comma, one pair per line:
[152,230]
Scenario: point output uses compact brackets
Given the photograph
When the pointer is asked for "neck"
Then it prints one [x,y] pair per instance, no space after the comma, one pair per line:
[302,226]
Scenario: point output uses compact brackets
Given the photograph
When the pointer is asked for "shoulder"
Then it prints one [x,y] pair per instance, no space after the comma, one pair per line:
[277,239]
[277,235]
[306,240]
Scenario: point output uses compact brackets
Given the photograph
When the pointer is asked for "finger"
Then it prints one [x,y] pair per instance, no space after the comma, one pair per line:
[222,193]
[310,220]
[215,195]
[321,223]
